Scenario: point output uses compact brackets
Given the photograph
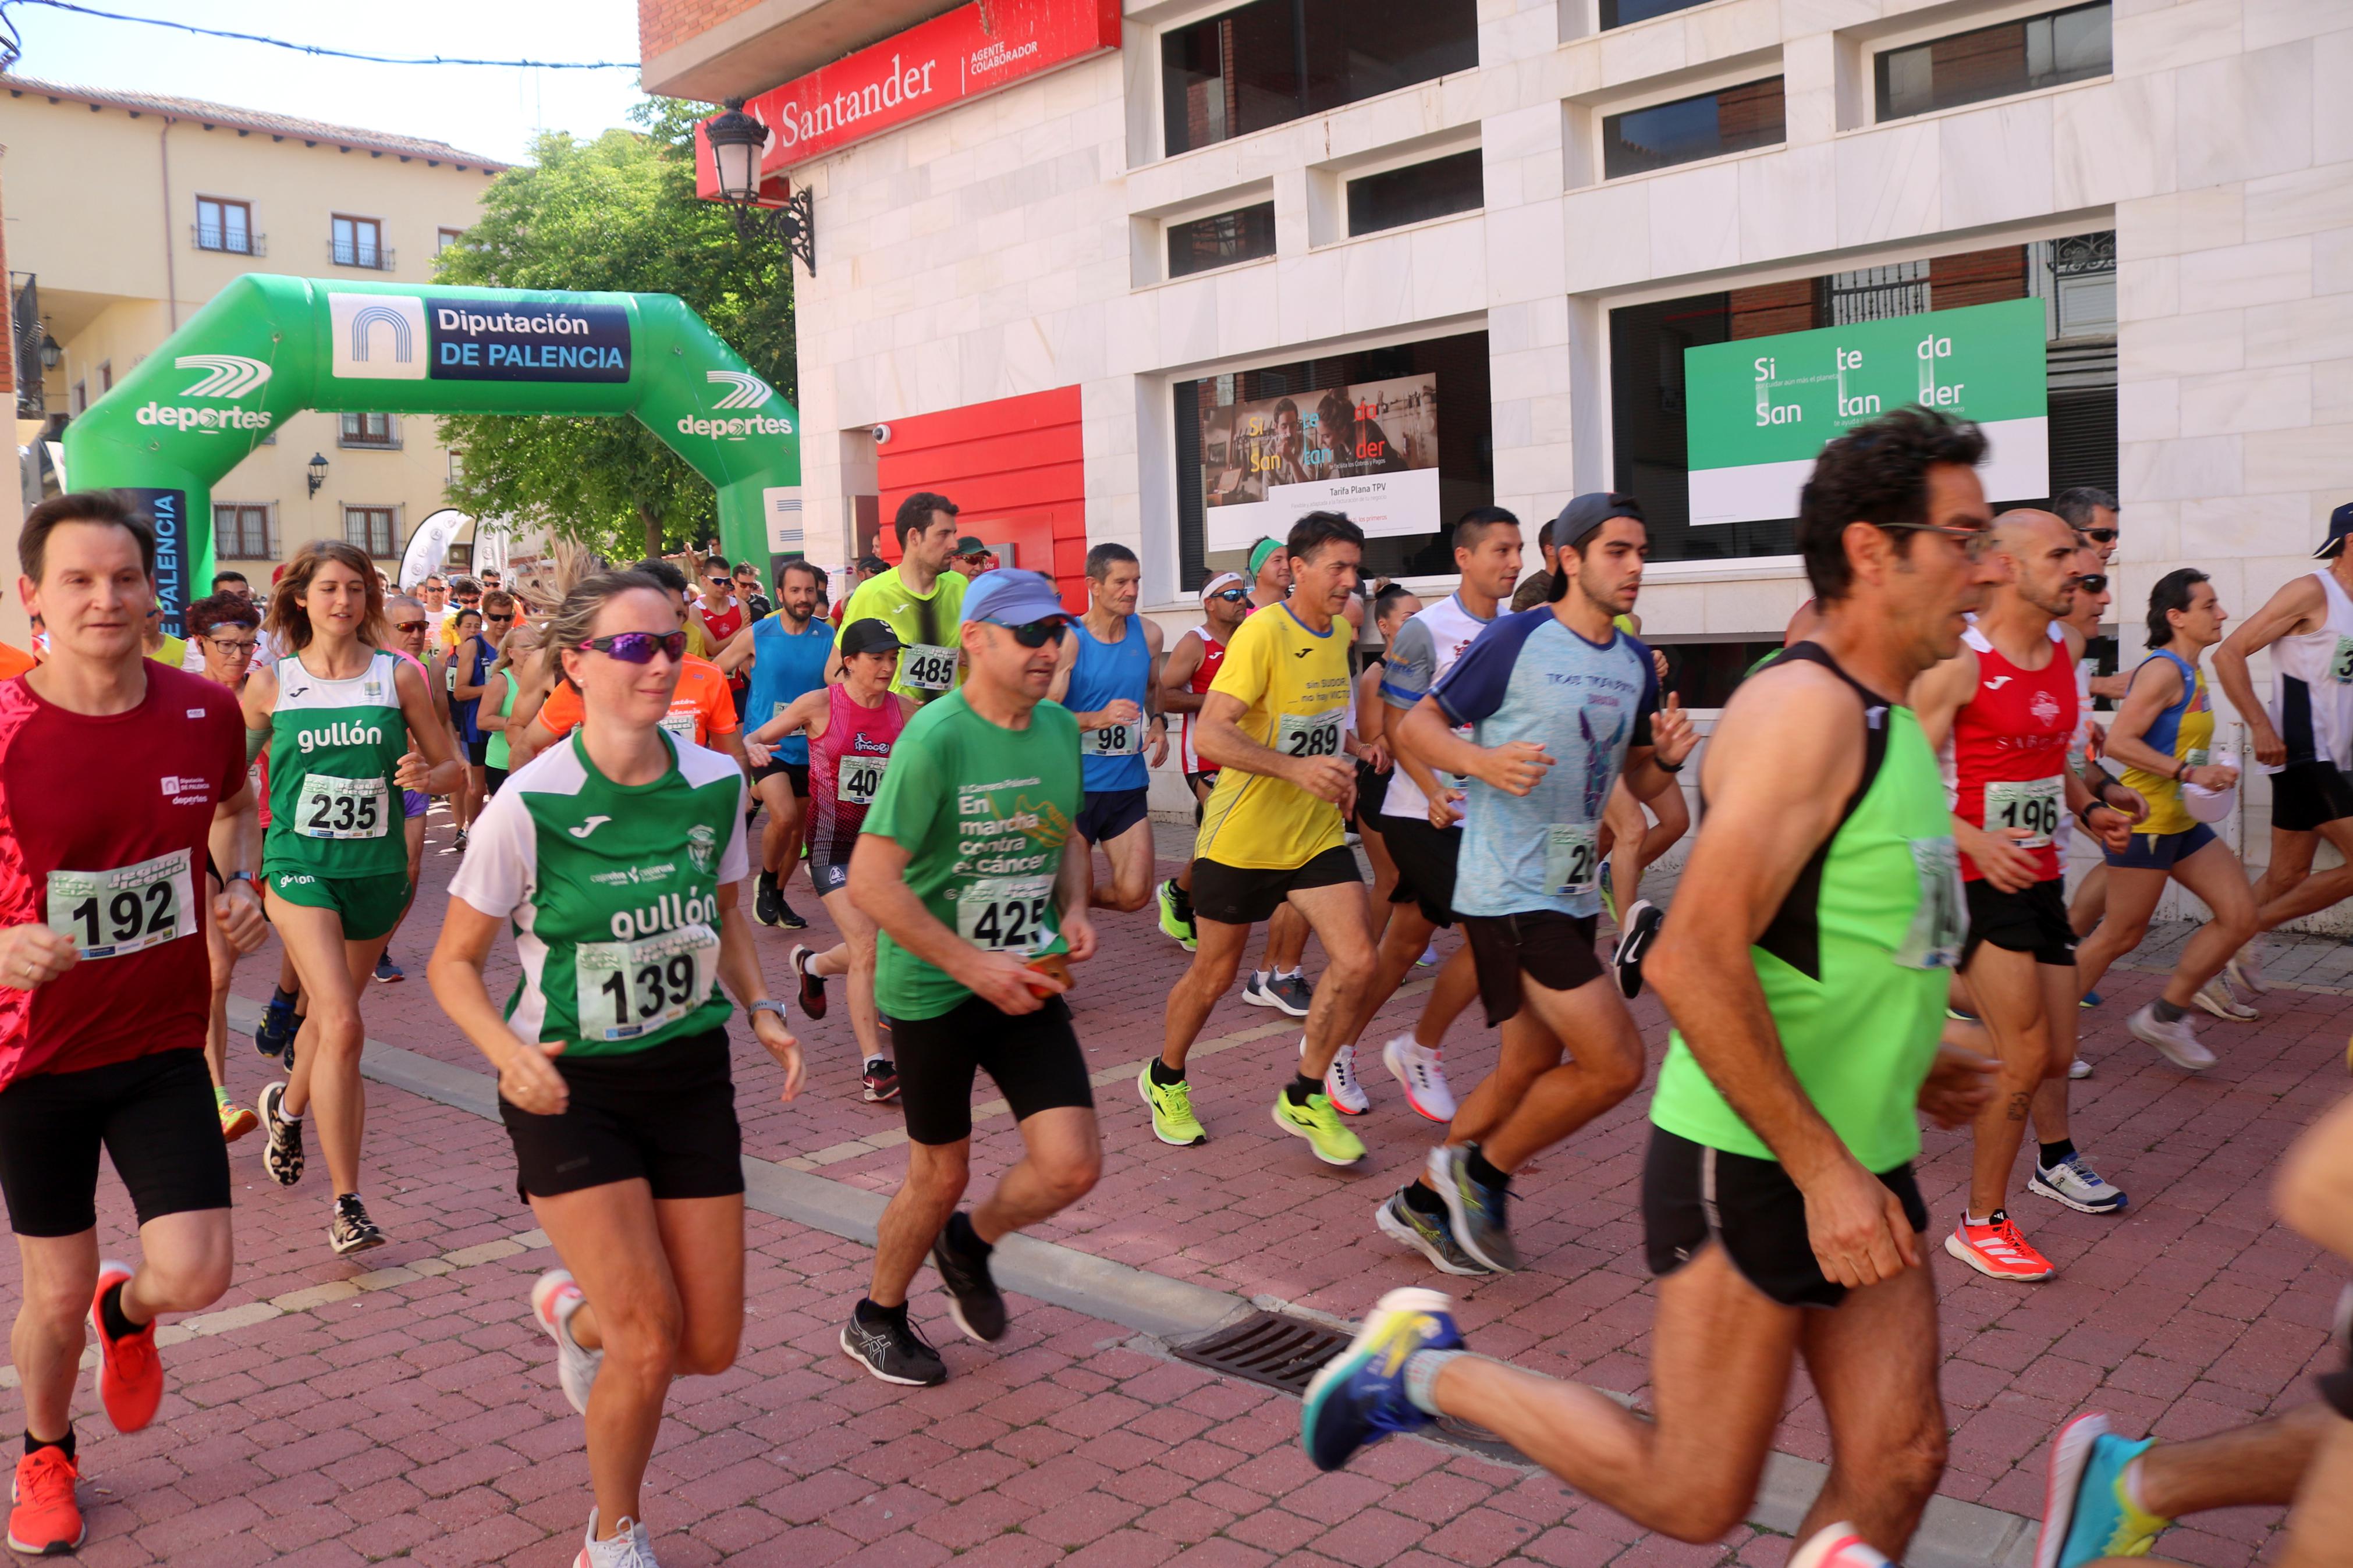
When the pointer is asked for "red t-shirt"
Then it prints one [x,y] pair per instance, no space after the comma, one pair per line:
[2010,750]
[127,799]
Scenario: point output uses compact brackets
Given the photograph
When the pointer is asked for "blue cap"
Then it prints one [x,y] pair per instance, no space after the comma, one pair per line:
[1011,598]
[2340,523]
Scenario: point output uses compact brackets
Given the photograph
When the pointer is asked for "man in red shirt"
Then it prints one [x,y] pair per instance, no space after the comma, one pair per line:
[105,981]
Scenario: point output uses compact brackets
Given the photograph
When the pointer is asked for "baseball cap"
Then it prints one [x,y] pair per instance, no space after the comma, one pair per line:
[2340,523]
[868,636]
[1009,597]
[969,545]
[1261,551]
[1586,513]
[1220,582]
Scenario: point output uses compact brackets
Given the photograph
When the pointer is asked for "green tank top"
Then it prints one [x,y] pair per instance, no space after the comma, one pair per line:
[335,746]
[1856,963]
[496,754]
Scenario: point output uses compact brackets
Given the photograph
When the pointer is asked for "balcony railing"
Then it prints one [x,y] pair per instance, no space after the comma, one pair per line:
[348,253]
[210,237]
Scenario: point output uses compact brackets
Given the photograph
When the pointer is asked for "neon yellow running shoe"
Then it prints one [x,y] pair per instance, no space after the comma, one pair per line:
[1178,928]
[1321,1125]
[1173,1120]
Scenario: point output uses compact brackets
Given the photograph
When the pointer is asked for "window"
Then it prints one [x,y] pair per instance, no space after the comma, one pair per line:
[1626,13]
[105,376]
[1995,62]
[243,532]
[369,430]
[225,225]
[1275,60]
[1730,120]
[1221,239]
[359,242]
[444,239]
[373,529]
[1419,191]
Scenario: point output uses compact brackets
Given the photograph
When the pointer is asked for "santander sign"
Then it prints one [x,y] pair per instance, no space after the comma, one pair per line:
[971,50]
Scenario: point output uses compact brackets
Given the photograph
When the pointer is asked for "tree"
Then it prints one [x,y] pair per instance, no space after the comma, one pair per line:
[617,213]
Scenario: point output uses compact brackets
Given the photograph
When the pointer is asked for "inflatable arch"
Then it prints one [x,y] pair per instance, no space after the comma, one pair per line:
[267,347]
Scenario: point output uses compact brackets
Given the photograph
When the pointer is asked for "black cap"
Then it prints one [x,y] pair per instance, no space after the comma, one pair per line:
[2340,523]
[868,636]
[970,545]
[1585,515]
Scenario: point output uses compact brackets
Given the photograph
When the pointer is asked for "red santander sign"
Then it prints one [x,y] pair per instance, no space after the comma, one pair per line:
[972,50]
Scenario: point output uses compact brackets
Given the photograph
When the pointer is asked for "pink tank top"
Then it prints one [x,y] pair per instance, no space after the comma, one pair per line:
[846,766]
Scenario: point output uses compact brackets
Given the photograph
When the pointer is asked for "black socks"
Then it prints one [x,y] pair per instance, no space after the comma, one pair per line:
[35,1445]
[768,880]
[2165,1012]
[868,1312]
[110,1313]
[1485,1175]
[1181,900]
[1421,1200]
[962,1238]
[1301,1086]
[1162,1073]
[2054,1153]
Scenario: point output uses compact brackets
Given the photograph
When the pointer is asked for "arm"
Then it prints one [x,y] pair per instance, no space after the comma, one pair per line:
[1156,727]
[1650,770]
[1070,879]
[1939,692]
[1066,660]
[738,651]
[1405,680]
[527,1077]
[2291,609]
[259,701]
[1422,731]
[2156,686]
[803,714]
[535,738]
[494,697]
[1372,722]
[1220,739]
[433,767]
[739,971]
[1177,693]
[237,847]
[462,690]
[878,885]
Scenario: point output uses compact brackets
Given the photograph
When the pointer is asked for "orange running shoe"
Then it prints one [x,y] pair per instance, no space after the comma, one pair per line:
[130,1375]
[1996,1248]
[46,1520]
[236,1121]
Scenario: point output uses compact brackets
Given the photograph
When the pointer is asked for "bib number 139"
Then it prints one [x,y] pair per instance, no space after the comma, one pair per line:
[632,988]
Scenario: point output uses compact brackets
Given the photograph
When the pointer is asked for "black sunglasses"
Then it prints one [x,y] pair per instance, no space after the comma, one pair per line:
[639,647]
[2099,535]
[2093,582]
[1038,634]
[1233,596]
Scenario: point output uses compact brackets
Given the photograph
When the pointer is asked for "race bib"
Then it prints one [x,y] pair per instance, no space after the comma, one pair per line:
[931,669]
[1007,914]
[2196,756]
[1572,859]
[2340,663]
[860,779]
[2031,804]
[330,807]
[109,913]
[679,725]
[626,989]
[1933,941]
[1114,741]
[1309,735]
[450,678]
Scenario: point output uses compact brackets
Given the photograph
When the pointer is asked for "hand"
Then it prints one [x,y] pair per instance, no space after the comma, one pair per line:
[240,918]
[413,772]
[1858,1231]
[1079,932]
[1004,983]
[1158,732]
[1515,769]
[756,753]
[770,1031]
[528,1080]
[1325,778]
[2116,797]
[1446,809]
[2270,749]
[33,956]
[1958,1086]
[1121,711]
[1672,734]
[1659,662]
[2000,861]
[2215,776]
[2095,742]
[1377,757]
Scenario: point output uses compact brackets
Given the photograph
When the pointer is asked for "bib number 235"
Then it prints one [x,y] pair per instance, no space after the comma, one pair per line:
[341,808]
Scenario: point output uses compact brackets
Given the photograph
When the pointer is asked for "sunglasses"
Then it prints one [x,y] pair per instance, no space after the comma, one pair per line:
[639,647]
[501,619]
[1038,634]
[2093,582]
[1233,596]
[2099,535]
[404,627]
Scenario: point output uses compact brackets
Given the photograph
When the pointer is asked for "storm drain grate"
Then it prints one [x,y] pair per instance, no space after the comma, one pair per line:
[1268,1348]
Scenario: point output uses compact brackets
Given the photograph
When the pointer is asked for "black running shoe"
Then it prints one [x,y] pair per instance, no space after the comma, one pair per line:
[880,1081]
[351,1230]
[887,1345]
[1479,1212]
[784,916]
[274,1036]
[974,1300]
[1641,930]
[281,1147]
[1431,1235]
[812,985]
[768,904]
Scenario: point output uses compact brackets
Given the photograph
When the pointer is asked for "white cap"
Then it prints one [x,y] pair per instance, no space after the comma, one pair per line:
[2211,805]
[1219,583]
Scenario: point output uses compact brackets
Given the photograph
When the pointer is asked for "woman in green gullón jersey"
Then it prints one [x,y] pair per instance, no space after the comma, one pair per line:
[615,856]
[336,715]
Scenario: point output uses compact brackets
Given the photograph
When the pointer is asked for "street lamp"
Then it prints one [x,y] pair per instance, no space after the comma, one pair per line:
[53,354]
[318,471]
[736,142]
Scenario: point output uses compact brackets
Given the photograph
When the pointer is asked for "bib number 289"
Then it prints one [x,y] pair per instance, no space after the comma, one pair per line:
[1309,735]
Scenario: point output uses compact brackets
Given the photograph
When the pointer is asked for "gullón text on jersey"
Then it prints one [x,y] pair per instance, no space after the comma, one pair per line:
[668,912]
[341,732]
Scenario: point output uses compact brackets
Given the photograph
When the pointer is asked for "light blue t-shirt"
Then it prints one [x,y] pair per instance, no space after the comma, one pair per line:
[784,665]
[1529,678]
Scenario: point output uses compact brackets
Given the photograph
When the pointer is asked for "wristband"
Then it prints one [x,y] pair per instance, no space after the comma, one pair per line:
[2181,770]
[2084,816]
[766,1005]
[1668,767]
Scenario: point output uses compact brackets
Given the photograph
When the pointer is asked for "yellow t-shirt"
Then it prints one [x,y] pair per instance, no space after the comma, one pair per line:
[930,626]
[1294,686]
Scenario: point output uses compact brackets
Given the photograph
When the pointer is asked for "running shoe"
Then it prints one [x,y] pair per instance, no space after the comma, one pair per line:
[1171,1104]
[351,1230]
[1480,1213]
[1837,1546]
[1641,928]
[1320,1124]
[630,1547]
[1961,1015]
[274,1036]
[387,973]
[281,1154]
[2081,1067]
[236,1121]
[1359,1396]
[2072,1181]
[1178,928]
[2090,999]
[2086,1514]
[1422,1071]
[1433,1236]
[1259,992]
[1428,956]
[2216,998]
[974,1300]
[812,985]
[1996,1249]
[785,919]
[130,1377]
[767,903]
[888,1346]
[2177,1042]
[879,1082]
[45,1520]
[1293,993]
[2245,970]
[554,1300]
[1347,1096]
[458,846]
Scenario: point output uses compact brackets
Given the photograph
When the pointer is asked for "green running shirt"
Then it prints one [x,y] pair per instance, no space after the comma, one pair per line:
[1856,963]
[982,814]
[335,746]
[612,890]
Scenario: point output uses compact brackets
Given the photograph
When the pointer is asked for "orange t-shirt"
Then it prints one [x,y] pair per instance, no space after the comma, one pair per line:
[15,661]
[701,707]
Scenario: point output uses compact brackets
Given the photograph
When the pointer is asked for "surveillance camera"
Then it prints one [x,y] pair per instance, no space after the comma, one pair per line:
[882,434]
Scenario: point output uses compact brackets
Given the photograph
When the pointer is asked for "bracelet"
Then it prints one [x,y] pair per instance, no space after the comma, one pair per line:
[2084,816]
[766,1005]
[1667,768]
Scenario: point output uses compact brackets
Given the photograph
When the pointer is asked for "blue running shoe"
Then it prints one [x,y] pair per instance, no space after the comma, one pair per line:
[1359,1396]
[2086,1514]
[2091,999]
[274,1036]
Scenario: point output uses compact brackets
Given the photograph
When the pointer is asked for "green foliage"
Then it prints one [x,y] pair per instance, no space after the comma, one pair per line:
[617,213]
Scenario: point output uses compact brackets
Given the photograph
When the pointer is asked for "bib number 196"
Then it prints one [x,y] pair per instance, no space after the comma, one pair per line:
[2031,804]
[109,913]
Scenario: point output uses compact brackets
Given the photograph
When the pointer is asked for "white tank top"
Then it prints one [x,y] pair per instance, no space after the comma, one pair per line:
[2312,684]
[1452,629]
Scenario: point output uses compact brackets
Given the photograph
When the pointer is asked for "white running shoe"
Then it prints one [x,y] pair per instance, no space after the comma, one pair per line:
[1837,1546]
[2177,1042]
[1348,1097]
[2216,998]
[629,1548]
[1422,1071]
[2080,1067]
[2245,969]
[554,1300]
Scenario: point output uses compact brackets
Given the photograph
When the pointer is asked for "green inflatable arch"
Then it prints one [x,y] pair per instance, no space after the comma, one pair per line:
[267,347]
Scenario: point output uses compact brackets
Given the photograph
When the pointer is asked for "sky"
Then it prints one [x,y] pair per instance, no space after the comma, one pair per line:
[492,112]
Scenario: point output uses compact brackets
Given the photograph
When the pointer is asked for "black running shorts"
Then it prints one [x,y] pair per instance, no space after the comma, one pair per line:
[1693,1194]
[1105,814]
[1552,949]
[2032,921]
[665,1115]
[1372,788]
[154,1115]
[1033,1058]
[2306,794]
[1245,894]
[1425,857]
[777,768]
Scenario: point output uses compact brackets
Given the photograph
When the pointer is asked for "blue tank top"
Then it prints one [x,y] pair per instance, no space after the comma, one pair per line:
[469,712]
[1111,758]
[784,665]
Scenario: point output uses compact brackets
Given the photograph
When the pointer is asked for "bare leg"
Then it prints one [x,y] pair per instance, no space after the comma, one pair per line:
[2050,1120]
[1403,941]
[1628,828]
[1336,1014]
[1062,1157]
[854,955]
[1286,940]
[222,957]
[2215,875]
[1131,870]
[1384,872]
[1217,954]
[936,1174]
[2132,898]
[2258,1465]
[327,1047]
[1454,990]
[780,838]
[186,1262]
[1874,1362]
[2091,899]
[1605,1065]
[2323,1520]
[2290,864]
[2313,891]
[2008,988]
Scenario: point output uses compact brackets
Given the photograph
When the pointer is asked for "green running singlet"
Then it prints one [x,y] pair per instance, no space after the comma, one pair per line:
[1856,963]
[335,746]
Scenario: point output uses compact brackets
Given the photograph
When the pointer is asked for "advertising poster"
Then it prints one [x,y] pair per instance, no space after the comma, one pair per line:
[1759,409]
[169,509]
[1369,449]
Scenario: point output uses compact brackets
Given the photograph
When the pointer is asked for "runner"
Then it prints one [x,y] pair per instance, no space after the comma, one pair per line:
[103,1011]
[223,628]
[2083,754]
[331,714]
[967,864]
[233,584]
[757,603]
[1393,606]
[701,710]
[1279,982]
[1185,679]
[477,651]
[1109,679]
[1631,844]
[721,614]
[618,859]
[2303,738]
[2007,703]
[971,557]
[919,599]
[1826,845]
[410,627]
[465,594]
[2161,736]
[1563,704]
[847,731]
[1270,574]
[788,652]
[1274,722]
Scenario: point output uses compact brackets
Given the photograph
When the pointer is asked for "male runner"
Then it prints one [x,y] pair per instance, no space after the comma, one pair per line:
[1279,983]
[1109,679]
[2303,738]
[702,711]
[966,863]
[720,615]
[1565,703]
[103,982]
[972,556]
[747,588]
[1538,587]
[1806,959]
[919,599]
[2008,703]
[233,583]
[1274,722]
[1185,676]
[1270,574]
[788,652]
[465,594]
[434,592]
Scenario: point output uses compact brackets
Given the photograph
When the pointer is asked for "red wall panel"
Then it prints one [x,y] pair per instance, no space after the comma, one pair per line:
[1017,468]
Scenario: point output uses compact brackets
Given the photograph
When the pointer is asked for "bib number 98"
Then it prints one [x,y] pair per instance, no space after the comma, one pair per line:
[1007,914]
[1116,740]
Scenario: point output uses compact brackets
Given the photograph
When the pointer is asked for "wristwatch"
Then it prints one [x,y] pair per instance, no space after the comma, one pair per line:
[766,1005]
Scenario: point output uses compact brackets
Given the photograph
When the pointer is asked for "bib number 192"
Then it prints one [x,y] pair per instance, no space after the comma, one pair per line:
[105,914]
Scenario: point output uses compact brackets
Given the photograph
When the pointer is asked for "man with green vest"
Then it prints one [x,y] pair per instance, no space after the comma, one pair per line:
[920,599]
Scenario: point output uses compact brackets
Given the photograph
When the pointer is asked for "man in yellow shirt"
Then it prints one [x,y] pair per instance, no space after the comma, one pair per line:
[919,599]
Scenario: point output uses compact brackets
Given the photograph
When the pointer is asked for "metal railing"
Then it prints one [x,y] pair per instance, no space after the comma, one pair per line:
[210,237]
[346,253]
